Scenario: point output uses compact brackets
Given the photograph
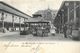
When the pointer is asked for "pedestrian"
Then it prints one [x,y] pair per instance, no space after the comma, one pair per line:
[71,30]
[64,31]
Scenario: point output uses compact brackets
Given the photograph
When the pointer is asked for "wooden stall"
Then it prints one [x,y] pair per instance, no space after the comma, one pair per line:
[38,28]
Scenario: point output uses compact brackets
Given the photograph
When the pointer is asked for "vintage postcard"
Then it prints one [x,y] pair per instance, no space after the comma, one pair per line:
[39,26]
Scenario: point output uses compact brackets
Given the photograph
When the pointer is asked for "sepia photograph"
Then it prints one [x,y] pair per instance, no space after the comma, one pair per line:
[39,26]
[39,20]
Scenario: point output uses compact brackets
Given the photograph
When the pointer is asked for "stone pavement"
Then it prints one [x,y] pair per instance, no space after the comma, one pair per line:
[15,36]
[9,33]
[57,37]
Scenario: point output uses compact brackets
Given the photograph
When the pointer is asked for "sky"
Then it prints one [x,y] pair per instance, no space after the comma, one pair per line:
[31,6]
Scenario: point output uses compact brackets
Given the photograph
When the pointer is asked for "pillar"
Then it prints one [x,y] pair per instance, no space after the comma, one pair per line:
[74,11]
[13,22]
[67,5]
[2,18]
[68,14]
[19,23]
[24,24]
[74,14]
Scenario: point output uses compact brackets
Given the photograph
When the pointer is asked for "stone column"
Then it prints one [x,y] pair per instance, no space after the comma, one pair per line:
[74,11]
[13,22]
[24,24]
[74,14]
[67,5]
[68,14]
[2,18]
[19,23]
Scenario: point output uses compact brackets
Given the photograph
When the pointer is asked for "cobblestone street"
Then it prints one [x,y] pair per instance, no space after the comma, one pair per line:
[15,36]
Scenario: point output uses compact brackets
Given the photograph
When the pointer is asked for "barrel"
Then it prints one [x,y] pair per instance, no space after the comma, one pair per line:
[76,35]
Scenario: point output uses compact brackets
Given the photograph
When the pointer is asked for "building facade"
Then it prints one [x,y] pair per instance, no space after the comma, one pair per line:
[47,14]
[11,18]
[69,13]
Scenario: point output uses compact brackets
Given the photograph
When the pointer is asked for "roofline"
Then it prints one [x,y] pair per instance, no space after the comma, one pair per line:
[64,2]
[61,6]
[36,22]
[13,8]
[13,13]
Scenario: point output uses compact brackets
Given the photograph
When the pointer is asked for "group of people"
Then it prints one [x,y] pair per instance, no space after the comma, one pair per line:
[67,30]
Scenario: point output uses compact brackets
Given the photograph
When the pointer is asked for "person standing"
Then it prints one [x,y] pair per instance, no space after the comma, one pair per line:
[71,30]
[64,31]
